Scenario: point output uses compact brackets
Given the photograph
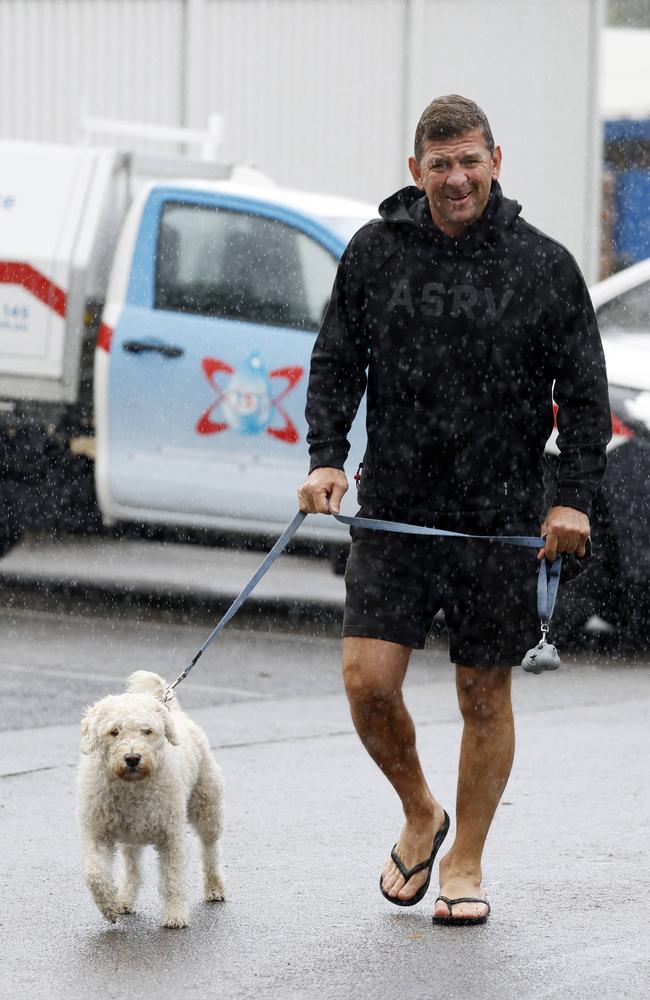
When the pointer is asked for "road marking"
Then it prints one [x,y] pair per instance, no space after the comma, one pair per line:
[44,616]
[113,678]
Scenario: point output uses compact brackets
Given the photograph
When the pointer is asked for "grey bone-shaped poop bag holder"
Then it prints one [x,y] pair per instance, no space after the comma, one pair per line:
[544,656]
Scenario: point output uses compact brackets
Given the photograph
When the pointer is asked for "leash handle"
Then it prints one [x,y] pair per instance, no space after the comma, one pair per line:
[548,579]
[548,582]
[376,524]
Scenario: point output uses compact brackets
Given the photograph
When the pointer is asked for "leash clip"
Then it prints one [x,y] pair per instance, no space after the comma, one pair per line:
[543,656]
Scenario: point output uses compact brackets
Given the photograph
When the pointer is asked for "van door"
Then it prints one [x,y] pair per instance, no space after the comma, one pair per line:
[210,358]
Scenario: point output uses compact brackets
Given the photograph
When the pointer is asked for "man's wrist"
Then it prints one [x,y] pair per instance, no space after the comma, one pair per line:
[573,496]
[328,462]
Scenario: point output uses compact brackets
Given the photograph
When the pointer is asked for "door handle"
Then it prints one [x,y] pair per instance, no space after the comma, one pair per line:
[140,346]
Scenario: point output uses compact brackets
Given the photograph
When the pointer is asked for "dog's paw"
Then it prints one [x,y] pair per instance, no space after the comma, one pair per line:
[214,891]
[126,907]
[111,912]
[176,919]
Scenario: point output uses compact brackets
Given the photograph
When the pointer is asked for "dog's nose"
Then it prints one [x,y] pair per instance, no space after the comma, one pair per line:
[132,759]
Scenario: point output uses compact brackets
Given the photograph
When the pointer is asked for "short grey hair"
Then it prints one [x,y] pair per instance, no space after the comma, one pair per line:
[449,117]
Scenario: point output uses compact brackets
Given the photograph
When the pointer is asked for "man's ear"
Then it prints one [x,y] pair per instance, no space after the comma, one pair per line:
[89,731]
[414,168]
[170,728]
[496,163]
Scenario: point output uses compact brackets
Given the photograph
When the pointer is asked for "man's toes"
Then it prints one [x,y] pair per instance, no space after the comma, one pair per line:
[392,882]
[388,882]
[410,888]
[469,911]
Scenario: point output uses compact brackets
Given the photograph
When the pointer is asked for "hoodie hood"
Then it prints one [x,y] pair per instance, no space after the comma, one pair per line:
[410,206]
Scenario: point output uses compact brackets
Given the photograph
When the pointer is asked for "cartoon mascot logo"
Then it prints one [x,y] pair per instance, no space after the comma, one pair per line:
[247,402]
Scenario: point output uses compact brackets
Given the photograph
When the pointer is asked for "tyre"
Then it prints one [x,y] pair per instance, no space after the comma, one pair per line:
[11,527]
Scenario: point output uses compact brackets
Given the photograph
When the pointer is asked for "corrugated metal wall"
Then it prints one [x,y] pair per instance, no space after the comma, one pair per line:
[325,94]
[314,89]
[123,58]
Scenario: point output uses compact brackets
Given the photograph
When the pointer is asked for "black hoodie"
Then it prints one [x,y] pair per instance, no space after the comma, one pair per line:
[460,342]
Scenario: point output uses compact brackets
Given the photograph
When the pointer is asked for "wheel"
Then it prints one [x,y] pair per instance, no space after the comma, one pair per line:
[11,530]
[12,507]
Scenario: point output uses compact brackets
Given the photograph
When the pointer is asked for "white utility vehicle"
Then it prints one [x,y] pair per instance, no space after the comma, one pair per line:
[163,327]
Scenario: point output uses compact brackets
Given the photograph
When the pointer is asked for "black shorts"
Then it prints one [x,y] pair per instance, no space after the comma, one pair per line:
[396,584]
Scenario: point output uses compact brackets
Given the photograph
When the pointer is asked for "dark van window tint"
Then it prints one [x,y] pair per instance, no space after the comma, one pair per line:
[628,312]
[216,262]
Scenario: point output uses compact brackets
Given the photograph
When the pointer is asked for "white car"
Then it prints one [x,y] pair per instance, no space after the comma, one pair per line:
[616,586]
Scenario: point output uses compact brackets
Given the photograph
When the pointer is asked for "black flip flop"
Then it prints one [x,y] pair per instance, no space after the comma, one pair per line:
[452,921]
[407,873]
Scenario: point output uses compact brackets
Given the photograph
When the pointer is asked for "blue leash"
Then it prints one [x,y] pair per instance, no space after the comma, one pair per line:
[547,585]
[279,547]
[543,656]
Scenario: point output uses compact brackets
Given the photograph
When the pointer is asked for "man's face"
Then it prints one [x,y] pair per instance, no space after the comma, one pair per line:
[456,175]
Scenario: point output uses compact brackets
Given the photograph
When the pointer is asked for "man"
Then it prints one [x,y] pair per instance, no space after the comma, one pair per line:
[461,319]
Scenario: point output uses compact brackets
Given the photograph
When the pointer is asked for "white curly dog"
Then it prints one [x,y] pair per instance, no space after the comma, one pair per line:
[146,769]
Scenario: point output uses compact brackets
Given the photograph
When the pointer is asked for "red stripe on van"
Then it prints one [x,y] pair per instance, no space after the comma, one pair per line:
[17,273]
[104,337]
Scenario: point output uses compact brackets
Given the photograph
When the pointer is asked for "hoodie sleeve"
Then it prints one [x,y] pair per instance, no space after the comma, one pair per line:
[580,392]
[337,377]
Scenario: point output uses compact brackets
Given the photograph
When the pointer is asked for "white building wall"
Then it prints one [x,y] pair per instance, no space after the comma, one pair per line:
[120,58]
[312,91]
[325,94]
[532,66]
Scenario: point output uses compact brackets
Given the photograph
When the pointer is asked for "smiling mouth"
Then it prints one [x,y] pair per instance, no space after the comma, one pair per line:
[459,197]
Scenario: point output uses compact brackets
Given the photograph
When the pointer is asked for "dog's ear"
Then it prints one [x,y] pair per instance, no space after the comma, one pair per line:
[89,731]
[170,728]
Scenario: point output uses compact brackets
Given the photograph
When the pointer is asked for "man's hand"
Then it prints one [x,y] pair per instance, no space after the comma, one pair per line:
[322,491]
[565,529]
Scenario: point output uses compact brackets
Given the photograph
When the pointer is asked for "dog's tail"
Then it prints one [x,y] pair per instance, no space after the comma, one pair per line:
[145,682]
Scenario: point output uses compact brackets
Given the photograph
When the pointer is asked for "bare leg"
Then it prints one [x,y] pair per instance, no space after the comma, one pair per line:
[374,671]
[132,878]
[486,754]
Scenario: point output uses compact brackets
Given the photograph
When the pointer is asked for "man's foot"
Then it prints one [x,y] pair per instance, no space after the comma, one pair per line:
[459,886]
[413,846]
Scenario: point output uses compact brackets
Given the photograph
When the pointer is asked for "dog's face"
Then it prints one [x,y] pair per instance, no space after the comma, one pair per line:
[128,732]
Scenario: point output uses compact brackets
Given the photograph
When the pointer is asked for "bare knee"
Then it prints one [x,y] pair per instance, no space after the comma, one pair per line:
[373,671]
[483,693]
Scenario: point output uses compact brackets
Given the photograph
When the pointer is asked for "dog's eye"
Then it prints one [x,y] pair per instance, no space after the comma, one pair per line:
[115,732]
[146,732]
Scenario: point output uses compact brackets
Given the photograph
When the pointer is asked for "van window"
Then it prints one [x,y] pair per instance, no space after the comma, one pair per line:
[217,262]
[628,312]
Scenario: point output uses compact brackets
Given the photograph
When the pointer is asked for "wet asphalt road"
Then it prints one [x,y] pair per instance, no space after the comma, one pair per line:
[309,822]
